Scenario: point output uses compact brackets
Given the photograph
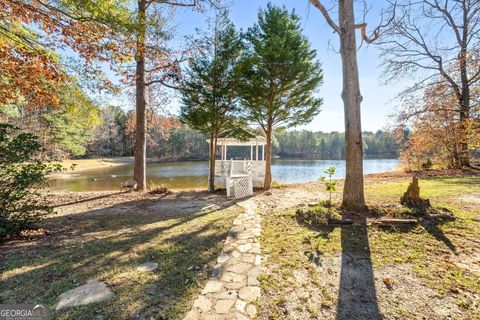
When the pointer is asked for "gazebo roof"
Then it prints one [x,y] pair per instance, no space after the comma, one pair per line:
[240,137]
[257,140]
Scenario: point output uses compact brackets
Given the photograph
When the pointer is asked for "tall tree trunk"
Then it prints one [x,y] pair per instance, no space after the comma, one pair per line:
[465,94]
[139,171]
[267,182]
[213,153]
[464,113]
[464,161]
[353,193]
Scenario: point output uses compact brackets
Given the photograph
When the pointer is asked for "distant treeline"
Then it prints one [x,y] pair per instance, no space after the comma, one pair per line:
[321,145]
[110,132]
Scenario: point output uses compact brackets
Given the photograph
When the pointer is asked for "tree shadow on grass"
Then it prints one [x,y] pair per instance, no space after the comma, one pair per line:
[108,195]
[433,227]
[434,230]
[108,244]
[357,297]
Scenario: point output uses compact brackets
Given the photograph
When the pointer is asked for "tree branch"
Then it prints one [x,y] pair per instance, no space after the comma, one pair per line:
[162,83]
[325,13]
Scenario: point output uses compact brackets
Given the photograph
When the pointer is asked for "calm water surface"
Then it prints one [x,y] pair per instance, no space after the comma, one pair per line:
[193,174]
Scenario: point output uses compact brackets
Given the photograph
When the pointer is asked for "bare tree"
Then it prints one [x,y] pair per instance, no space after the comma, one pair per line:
[353,193]
[437,41]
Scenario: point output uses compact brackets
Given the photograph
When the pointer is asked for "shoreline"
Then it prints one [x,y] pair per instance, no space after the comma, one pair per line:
[93,164]
[397,174]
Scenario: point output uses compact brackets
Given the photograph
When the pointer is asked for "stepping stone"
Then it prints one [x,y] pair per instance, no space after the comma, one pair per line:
[223,306]
[223,257]
[239,316]
[234,285]
[251,310]
[245,247]
[212,286]
[229,294]
[192,315]
[203,303]
[232,277]
[240,305]
[147,267]
[248,258]
[239,267]
[253,281]
[249,294]
[90,292]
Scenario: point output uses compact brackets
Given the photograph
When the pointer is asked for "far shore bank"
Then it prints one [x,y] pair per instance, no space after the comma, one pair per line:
[98,163]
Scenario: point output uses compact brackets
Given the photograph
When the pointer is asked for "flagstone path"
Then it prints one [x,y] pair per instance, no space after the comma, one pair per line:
[233,288]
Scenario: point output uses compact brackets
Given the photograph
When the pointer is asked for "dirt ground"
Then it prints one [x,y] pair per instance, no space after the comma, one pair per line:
[362,272]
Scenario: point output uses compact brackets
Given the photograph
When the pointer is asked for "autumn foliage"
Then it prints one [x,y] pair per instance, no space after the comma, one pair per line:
[31,31]
[159,127]
[438,132]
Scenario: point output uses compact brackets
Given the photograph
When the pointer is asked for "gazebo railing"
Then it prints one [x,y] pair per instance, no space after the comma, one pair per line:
[227,168]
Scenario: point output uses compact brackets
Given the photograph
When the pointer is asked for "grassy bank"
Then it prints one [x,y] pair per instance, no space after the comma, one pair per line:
[105,236]
[363,272]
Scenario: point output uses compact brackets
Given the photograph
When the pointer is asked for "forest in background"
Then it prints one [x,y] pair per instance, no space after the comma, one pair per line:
[51,95]
[82,130]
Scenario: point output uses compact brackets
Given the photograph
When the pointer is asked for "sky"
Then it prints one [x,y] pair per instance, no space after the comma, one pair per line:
[378,100]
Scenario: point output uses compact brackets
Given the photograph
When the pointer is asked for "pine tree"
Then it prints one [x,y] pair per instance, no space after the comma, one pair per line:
[279,76]
[209,95]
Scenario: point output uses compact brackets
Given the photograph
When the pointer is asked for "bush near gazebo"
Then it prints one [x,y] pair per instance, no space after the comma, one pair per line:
[22,173]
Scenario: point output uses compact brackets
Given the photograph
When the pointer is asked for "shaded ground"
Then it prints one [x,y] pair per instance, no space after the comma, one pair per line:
[363,272]
[105,236]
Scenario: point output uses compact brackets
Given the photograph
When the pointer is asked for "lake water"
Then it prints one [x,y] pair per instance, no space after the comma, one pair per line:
[193,174]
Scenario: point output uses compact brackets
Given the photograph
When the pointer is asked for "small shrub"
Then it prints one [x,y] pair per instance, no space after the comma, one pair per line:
[317,215]
[22,174]
[330,184]
[326,203]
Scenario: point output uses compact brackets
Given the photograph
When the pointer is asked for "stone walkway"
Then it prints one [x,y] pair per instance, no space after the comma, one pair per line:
[233,288]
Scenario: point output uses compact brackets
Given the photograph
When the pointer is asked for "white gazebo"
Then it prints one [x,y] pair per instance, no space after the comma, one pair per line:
[240,176]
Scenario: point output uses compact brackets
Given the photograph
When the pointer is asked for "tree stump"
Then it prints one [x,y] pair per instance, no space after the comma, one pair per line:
[411,198]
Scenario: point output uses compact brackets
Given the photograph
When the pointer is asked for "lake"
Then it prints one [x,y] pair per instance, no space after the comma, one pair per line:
[193,174]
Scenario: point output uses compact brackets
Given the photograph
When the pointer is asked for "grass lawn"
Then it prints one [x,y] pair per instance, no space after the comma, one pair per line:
[105,237]
[364,272]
